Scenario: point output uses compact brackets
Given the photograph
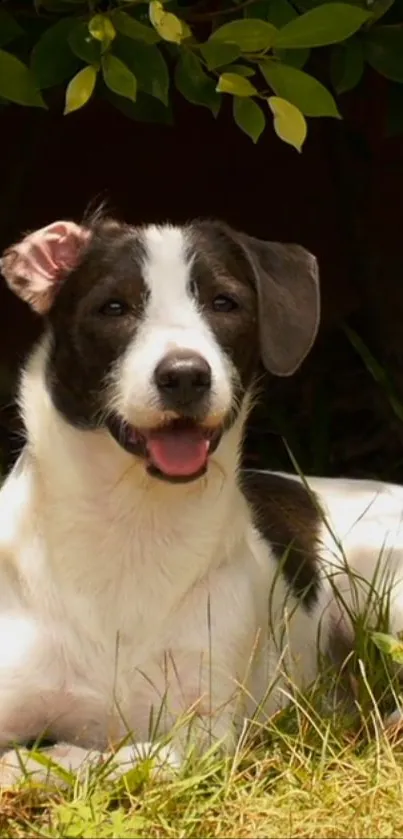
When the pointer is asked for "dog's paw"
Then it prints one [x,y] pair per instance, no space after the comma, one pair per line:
[394,720]
[49,768]
[164,760]
[11,770]
[53,766]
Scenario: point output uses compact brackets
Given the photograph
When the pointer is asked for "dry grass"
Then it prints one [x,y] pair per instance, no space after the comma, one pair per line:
[311,777]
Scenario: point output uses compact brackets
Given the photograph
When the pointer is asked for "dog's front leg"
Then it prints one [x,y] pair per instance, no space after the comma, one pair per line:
[193,727]
[62,760]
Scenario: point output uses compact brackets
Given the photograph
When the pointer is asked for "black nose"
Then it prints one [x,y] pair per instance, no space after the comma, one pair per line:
[183,379]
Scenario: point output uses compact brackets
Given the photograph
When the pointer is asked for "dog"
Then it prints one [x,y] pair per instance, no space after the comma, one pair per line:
[145,578]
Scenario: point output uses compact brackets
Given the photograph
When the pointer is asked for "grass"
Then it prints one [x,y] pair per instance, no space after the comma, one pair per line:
[312,770]
[310,775]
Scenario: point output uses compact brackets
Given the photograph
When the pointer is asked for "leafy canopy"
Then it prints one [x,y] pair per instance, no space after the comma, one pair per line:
[277,61]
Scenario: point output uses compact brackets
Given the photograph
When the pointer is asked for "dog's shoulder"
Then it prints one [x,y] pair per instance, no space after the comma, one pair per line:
[288,517]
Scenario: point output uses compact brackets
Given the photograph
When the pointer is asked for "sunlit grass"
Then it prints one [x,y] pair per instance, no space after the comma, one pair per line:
[312,776]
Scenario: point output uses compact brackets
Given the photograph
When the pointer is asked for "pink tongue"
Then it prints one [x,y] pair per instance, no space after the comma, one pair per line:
[179,452]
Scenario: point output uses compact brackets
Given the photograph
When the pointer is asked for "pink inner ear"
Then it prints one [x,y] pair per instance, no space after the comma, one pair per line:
[34,267]
[53,250]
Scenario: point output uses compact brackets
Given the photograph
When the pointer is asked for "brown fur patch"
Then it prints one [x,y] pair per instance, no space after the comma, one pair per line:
[287,517]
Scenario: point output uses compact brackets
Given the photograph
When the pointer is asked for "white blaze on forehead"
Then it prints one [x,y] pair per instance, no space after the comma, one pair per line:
[171,319]
[166,270]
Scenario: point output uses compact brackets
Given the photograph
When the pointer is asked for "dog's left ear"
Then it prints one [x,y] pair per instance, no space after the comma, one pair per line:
[287,284]
[35,267]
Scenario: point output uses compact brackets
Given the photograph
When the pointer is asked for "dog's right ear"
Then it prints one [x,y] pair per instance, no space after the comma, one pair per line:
[287,284]
[35,267]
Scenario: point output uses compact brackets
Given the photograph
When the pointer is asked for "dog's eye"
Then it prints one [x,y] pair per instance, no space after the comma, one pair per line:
[114,308]
[193,288]
[224,303]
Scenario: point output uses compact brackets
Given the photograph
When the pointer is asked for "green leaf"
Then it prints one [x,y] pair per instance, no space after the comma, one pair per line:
[249,117]
[327,24]
[194,84]
[102,29]
[118,77]
[289,124]
[17,82]
[237,85]
[83,45]
[132,28]
[389,645]
[52,60]
[280,12]
[258,9]
[302,90]
[240,70]
[147,64]
[217,54]
[294,58]
[383,49]
[168,26]
[379,9]
[376,369]
[250,34]
[57,6]
[80,89]
[9,28]
[347,65]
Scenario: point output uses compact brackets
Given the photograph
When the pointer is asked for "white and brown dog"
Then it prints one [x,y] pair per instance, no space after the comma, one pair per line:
[142,575]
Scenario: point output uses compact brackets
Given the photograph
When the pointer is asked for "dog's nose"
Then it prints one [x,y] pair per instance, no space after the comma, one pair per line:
[183,378]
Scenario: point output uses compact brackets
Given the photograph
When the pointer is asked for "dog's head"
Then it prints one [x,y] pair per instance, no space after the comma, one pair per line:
[157,332]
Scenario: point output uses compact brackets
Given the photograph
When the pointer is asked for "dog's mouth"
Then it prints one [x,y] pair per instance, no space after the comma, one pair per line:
[177,451]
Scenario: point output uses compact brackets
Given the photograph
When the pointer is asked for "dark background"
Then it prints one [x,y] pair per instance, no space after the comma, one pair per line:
[341,198]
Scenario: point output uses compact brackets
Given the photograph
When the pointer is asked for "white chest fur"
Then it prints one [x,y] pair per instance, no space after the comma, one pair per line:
[120,606]
[122,597]
[106,604]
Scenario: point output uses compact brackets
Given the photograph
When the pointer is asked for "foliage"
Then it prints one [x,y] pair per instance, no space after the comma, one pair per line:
[389,645]
[272,60]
